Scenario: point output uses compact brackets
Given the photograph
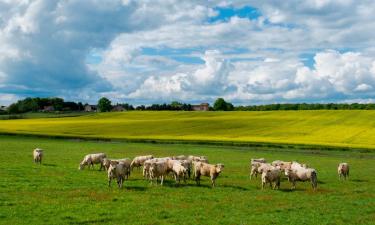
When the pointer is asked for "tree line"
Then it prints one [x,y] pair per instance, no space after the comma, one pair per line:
[40,104]
[307,106]
[105,105]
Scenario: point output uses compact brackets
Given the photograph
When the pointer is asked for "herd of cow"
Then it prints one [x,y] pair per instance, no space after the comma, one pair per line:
[183,167]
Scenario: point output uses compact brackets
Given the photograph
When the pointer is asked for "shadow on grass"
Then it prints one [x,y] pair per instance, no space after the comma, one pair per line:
[49,164]
[290,190]
[98,221]
[358,180]
[234,187]
[135,188]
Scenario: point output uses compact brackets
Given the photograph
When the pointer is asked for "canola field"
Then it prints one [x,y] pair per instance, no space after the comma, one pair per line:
[351,128]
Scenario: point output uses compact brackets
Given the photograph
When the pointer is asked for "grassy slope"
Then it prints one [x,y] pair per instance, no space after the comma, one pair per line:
[335,128]
[57,193]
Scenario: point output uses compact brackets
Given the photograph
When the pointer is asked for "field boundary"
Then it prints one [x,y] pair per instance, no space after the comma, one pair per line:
[201,142]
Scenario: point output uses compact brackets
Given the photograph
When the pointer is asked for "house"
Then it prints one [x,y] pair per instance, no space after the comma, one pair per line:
[201,107]
[3,109]
[118,108]
[48,108]
[90,108]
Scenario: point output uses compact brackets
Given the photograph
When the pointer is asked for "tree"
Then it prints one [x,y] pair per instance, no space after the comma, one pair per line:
[221,105]
[104,105]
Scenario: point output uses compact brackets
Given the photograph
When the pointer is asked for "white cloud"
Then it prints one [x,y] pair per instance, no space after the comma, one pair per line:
[45,44]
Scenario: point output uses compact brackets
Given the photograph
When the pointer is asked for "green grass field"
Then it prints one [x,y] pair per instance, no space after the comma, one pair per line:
[349,128]
[58,193]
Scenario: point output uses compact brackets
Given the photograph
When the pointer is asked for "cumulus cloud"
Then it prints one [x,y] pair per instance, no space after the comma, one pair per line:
[152,51]
[209,80]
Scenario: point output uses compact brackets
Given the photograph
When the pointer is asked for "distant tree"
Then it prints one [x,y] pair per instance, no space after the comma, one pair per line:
[141,107]
[80,106]
[13,109]
[57,103]
[230,106]
[221,105]
[104,105]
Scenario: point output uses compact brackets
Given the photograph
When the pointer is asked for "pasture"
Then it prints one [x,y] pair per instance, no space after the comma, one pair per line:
[58,193]
[350,128]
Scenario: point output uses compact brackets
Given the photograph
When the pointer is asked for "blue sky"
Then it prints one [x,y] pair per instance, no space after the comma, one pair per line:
[249,52]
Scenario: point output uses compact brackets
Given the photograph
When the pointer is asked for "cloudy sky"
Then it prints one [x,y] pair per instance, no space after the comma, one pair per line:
[149,51]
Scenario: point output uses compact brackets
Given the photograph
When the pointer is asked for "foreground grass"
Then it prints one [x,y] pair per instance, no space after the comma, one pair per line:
[57,193]
[327,128]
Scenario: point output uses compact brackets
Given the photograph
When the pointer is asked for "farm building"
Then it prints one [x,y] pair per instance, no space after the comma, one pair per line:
[3,108]
[49,108]
[90,108]
[118,108]
[201,107]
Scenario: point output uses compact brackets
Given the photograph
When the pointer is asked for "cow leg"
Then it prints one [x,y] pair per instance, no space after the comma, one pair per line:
[197,179]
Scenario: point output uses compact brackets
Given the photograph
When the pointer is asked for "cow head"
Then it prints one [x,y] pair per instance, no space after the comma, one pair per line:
[111,170]
[219,167]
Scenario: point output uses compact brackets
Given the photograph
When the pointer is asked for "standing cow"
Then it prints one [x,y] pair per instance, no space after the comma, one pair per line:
[343,170]
[38,155]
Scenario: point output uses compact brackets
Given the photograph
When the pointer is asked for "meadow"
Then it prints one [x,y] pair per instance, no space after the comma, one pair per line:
[345,128]
[56,192]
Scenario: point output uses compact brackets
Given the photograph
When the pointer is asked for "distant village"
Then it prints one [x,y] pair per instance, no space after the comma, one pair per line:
[104,105]
[58,105]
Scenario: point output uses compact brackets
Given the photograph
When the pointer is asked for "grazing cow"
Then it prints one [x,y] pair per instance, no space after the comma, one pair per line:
[271,176]
[38,155]
[299,173]
[147,164]
[209,170]
[197,158]
[254,169]
[91,159]
[260,160]
[258,168]
[125,161]
[188,165]
[282,165]
[179,171]
[139,161]
[343,170]
[118,172]
[158,170]
[180,157]
[265,166]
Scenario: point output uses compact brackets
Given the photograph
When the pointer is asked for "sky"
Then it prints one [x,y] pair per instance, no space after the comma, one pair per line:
[156,51]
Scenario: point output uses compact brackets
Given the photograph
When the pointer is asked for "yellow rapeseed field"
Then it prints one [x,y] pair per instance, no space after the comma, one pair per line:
[349,128]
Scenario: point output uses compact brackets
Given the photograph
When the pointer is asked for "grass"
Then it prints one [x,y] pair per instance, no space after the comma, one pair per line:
[57,193]
[349,128]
